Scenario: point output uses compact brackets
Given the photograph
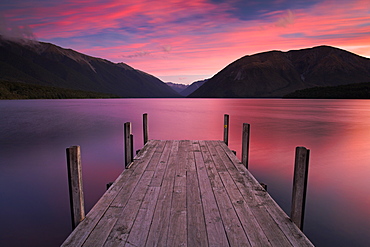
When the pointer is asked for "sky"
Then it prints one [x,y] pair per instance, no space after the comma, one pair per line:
[185,41]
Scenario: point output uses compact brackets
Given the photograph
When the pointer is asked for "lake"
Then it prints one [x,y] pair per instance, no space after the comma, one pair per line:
[34,135]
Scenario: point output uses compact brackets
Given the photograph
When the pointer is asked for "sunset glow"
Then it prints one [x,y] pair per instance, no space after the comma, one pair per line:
[184,41]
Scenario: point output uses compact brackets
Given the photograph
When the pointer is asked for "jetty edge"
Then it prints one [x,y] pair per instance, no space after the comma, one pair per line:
[187,193]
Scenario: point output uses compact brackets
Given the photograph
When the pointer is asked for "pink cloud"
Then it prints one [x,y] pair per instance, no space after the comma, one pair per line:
[286,20]
[194,37]
[71,19]
[341,26]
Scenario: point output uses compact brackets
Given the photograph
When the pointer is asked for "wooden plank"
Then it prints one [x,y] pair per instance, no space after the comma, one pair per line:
[203,196]
[140,229]
[214,225]
[220,167]
[184,148]
[257,195]
[133,175]
[152,166]
[197,235]
[82,231]
[253,230]
[270,227]
[161,167]
[127,216]
[159,229]
[177,234]
[143,151]
[234,230]
[102,230]
[190,162]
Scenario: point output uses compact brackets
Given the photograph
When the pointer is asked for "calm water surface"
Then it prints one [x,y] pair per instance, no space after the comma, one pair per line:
[35,133]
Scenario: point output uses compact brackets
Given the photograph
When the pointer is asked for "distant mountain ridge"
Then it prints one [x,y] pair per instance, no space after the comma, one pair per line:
[185,90]
[49,65]
[267,74]
[178,87]
[193,87]
[277,73]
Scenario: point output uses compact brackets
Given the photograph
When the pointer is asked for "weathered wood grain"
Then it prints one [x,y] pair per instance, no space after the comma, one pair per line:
[127,140]
[158,231]
[197,235]
[271,229]
[300,178]
[143,220]
[186,193]
[245,144]
[257,195]
[252,229]
[215,227]
[126,218]
[76,194]
[159,163]
[177,232]
[232,224]
[102,230]
[77,237]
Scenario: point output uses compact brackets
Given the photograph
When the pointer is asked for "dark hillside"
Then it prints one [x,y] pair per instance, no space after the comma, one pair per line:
[18,90]
[276,73]
[49,65]
[349,91]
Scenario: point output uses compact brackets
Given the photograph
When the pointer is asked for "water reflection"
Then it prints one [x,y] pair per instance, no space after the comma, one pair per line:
[34,135]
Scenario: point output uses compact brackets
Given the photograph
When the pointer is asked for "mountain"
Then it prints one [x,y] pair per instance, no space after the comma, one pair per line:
[192,87]
[277,73]
[185,90]
[177,86]
[49,65]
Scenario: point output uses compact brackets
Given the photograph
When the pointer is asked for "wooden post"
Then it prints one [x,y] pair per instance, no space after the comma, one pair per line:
[132,147]
[226,129]
[145,127]
[109,185]
[300,185]
[264,186]
[127,139]
[245,144]
[75,185]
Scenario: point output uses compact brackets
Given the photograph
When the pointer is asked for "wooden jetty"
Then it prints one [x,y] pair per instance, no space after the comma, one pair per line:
[186,193]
